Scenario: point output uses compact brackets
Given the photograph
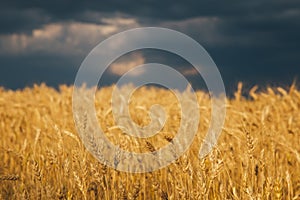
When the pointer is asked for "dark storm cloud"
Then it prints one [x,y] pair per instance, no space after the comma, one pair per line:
[16,21]
[255,41]
[21,14]
[253,22]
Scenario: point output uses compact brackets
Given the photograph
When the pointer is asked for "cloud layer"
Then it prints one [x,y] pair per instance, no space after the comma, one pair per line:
[255,41]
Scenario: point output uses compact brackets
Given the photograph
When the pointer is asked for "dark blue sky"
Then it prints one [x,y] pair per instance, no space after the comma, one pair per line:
[256,41]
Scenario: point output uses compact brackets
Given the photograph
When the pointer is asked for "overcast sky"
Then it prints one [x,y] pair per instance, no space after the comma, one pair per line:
[257,42]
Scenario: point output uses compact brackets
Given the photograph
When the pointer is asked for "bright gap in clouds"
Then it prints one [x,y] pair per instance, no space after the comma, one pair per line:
[129,62]
[64,38]
[126,63]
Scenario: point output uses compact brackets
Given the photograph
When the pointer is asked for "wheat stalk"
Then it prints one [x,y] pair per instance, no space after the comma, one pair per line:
[9,177]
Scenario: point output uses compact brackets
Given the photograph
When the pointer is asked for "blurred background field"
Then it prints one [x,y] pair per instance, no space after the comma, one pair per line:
[257,156]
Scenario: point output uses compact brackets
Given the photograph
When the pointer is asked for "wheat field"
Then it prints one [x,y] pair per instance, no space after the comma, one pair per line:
[257,155]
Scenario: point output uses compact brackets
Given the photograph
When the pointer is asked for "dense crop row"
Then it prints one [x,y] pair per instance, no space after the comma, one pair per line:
[42,156]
